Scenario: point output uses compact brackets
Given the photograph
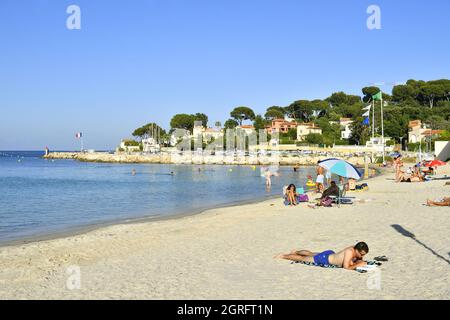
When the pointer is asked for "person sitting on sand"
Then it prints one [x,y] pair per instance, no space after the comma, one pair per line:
[349,258]
[444,203]
[416,177]
[332,190]
[291,195]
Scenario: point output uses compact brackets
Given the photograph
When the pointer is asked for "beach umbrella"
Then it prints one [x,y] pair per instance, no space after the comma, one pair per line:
[435,163]
[395,154]
[341,168]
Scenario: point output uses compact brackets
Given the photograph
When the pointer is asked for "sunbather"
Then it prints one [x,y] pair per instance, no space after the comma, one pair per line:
[350,258]
[291,195]
[444,203]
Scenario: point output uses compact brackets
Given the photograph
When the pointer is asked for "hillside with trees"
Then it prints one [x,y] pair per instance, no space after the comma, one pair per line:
[428,101]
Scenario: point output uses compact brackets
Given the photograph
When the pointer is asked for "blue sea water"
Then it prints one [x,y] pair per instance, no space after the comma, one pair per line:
[40,197]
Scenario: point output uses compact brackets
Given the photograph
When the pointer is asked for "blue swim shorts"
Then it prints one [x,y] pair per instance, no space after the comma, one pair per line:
[322,258]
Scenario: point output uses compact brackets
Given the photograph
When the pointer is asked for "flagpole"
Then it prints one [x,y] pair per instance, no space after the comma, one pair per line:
[373,118]
[382,126]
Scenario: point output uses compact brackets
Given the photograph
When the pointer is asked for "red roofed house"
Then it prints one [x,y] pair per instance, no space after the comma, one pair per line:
[418,131]
[281,126]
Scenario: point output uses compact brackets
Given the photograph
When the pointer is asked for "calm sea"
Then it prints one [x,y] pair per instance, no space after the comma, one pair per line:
[40,197]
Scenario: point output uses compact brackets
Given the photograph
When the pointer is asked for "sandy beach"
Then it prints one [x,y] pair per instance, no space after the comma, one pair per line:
[227,253]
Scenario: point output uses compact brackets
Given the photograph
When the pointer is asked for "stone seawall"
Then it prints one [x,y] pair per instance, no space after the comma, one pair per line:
[171,158]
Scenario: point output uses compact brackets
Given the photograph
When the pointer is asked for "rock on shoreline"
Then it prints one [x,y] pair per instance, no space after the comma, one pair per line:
[171,158]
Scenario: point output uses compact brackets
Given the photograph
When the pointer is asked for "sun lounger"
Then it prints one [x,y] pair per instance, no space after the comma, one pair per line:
[341,198]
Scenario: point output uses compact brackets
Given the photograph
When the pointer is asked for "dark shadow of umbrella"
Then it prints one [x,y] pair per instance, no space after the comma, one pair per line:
[408,234]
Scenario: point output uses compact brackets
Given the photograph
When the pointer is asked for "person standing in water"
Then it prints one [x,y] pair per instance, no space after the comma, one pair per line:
[268,176]
[320,178]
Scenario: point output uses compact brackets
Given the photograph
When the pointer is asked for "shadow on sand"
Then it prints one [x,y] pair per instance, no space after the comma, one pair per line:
[408,234]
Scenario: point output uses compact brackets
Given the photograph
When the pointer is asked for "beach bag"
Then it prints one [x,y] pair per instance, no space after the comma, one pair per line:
[352,184]
[327,202]
[303,198]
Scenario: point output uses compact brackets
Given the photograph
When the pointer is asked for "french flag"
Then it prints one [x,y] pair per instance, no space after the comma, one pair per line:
[78,135]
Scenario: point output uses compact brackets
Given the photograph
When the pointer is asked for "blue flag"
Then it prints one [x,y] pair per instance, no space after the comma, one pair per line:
[366,121]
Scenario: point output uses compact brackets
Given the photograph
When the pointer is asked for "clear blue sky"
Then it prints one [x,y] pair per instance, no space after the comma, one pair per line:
[145,60]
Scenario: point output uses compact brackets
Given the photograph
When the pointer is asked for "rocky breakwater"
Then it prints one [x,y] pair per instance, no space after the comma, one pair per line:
[110,158]
[168,158]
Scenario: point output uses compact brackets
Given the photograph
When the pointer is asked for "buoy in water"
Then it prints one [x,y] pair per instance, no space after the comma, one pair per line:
[310,183]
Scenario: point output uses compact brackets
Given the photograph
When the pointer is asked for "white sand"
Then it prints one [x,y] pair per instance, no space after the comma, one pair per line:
[228,253]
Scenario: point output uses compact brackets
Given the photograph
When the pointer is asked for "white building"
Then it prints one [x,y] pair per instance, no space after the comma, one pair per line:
[377,144]
[303,129]
[150,145]
[123,146]
[215,133]
[345,125]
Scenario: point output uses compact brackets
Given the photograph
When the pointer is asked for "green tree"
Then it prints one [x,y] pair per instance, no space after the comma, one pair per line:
[259,123]
[314,138]
[272,114]
[431,93]
[360,132]
[404,93]
[201,117]
[231,124]
[301,110]
[339,98]
[319,107]
[147,130]
[182,121]
[241,114]
[369,92]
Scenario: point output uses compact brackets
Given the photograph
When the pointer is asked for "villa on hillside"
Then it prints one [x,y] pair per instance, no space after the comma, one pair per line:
[281,126]
[418,131]
[150,145]
[207,133]
[345,124]
[303,129]
[249,129]
[125,146]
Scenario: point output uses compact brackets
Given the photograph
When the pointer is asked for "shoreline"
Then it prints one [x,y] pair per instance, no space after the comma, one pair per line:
[227,253]
[80,230]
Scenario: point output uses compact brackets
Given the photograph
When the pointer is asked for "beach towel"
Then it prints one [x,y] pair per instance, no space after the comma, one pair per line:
[303,198]
[300,198]
[371,265]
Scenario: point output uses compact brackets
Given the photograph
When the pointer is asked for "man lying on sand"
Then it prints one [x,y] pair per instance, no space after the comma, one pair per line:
[349,258]
[444,203]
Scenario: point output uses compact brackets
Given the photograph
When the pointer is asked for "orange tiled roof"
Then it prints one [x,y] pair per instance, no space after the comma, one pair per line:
[431,132]
[414,123]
